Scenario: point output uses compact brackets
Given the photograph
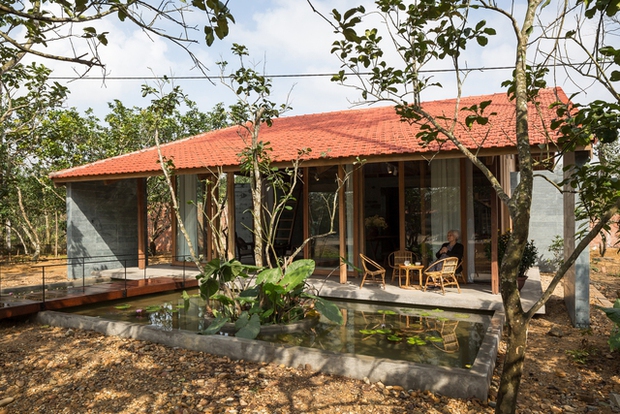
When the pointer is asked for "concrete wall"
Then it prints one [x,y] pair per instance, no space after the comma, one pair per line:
[548,220]
[102,229]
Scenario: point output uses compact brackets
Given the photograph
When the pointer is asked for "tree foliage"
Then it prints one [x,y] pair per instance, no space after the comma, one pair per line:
[426,32]
[31,28]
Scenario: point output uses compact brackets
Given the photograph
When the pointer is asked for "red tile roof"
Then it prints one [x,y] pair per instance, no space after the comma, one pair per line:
[366,133]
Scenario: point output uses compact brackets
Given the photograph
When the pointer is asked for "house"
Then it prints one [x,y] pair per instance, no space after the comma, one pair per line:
[419,191]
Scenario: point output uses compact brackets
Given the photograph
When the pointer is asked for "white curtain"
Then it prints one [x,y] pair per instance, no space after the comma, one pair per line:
[445,206]
[186,194]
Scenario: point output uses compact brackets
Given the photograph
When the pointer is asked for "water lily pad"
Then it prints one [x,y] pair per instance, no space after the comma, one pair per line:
[368,331]
[384,331]
[386,312]
[461,315]
[434,338]
[124,306]
[153,308]
[394,338]
[416,340]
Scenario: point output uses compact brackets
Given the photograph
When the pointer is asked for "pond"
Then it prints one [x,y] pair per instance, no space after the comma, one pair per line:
[422,335]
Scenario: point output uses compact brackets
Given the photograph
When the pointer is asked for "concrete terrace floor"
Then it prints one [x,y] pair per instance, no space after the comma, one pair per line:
[474,296]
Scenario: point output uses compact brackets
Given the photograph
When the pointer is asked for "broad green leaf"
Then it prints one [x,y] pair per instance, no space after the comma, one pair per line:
[215,326]
[297,273]
[269,276]
[208,288]
[329,310]
[251,329]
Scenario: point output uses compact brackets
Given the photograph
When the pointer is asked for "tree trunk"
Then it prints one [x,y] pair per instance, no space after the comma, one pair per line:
[513,363]
[257,205]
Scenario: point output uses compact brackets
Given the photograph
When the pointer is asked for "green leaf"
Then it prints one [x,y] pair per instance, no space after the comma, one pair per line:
[122,307]
[216,325]
[329,310]
[296,273]
[185,297]
[208,288]
[251,329]
[269,276]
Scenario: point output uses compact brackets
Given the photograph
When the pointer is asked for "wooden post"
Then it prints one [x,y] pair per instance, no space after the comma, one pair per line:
[230,189]
[402,243]
[342,224]
[464,241]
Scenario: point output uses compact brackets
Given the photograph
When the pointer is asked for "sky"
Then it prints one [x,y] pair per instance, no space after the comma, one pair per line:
[284,37]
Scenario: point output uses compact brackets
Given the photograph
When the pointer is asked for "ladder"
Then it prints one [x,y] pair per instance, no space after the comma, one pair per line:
[283,239]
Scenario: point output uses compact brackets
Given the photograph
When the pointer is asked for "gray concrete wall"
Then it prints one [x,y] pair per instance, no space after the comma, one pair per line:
[547,220]
[102,229]
[577,279]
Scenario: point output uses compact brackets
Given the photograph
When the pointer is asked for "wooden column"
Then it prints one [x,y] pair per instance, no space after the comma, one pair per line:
[401,206]
[230,190]
[306,211]
[359,243]
[342,223]
[464,241]
[143,248]
[495,218]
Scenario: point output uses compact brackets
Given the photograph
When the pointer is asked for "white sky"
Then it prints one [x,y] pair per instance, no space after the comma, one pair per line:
[286,37]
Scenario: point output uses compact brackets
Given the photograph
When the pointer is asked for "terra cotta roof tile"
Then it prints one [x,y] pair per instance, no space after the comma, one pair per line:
[363,133]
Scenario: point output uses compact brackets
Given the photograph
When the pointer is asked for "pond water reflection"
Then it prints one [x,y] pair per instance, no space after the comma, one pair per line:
[430,336]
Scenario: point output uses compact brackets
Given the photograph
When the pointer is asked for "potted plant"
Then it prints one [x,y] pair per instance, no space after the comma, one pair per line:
[374,224]
[530,255]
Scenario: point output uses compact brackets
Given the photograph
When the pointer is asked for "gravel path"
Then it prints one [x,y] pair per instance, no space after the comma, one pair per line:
[56,370]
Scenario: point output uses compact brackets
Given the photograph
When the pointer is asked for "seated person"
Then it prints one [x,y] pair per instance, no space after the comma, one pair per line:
[452,248]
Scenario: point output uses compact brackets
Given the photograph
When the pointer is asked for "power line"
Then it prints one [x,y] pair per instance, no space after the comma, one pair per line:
[281,76]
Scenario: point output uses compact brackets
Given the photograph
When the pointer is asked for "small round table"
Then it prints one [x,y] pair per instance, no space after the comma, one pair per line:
[407,269]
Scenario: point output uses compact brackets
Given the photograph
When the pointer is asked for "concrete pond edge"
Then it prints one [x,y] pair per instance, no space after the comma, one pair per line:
[451,382]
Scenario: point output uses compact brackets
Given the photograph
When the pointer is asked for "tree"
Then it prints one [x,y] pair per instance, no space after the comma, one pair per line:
[29,28]
[425,32]
[252,110]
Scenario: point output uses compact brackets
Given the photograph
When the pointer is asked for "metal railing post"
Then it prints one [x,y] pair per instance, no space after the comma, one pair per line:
[43,287]
[125,268]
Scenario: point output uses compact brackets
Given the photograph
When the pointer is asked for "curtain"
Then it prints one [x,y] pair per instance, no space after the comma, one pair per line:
[445,208]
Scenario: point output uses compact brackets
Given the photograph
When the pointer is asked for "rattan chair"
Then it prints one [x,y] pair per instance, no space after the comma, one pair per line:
[397,258]
[445,276]
[372,269]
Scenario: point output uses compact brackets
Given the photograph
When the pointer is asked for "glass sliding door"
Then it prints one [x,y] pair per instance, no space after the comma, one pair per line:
[323,216]
[381,210]
[432,205]
[187,193]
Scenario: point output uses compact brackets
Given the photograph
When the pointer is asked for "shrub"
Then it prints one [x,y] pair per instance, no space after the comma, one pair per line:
[614,314]
[530,253]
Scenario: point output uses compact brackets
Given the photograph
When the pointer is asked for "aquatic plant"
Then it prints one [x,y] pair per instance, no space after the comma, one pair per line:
[276,296]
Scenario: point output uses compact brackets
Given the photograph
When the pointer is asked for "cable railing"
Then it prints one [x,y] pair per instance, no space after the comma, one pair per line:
[90,270]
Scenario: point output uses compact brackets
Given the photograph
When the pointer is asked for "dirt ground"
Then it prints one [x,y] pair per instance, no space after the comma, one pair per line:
[55,370]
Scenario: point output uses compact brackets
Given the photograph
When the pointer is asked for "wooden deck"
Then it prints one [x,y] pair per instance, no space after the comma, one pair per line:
[33,302]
